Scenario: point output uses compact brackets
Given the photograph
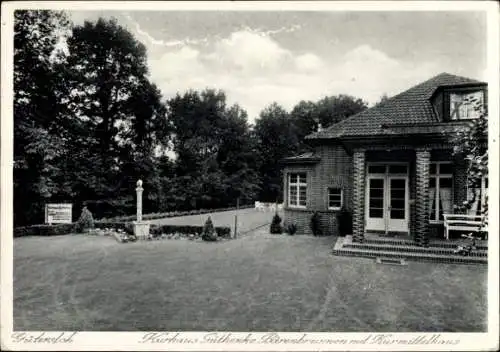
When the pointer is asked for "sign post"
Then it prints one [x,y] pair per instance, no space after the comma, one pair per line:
[60,213]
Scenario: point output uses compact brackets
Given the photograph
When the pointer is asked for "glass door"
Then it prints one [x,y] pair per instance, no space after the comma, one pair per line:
[376,203]
[387,196]
[397,204]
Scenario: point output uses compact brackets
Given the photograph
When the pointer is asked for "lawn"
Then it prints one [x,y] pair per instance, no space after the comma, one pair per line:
[259,282]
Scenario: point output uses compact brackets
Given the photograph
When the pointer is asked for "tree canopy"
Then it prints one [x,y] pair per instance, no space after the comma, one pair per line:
[89,122]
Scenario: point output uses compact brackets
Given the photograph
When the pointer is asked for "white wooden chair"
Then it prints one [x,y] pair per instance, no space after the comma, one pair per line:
[463,222]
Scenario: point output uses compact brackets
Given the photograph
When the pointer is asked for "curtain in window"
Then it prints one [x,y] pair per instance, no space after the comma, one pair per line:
[475,206]
[446,201]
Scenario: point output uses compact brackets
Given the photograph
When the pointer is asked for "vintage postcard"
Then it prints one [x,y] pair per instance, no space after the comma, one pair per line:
[233,176]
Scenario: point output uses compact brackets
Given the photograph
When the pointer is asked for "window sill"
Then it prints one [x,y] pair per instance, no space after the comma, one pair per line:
[296,207]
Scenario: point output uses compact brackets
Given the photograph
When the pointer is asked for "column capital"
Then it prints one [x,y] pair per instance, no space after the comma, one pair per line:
[422,150]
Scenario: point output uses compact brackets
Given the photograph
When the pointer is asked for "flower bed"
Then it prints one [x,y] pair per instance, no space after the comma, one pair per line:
[185,231]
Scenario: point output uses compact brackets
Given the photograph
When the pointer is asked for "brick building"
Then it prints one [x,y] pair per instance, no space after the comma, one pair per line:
[391,165]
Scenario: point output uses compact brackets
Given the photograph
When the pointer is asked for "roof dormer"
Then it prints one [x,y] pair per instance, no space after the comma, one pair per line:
[460,103]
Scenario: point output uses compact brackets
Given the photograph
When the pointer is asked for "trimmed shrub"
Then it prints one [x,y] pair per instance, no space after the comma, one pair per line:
[86,220]
[209,233]
[44,230]
[276,225]
[316,224]
[291,229]
[344,221]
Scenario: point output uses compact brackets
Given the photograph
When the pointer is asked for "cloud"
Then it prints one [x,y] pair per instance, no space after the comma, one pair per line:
[254,70]
[249,53]
[270,32]
[308,62]
[167,43]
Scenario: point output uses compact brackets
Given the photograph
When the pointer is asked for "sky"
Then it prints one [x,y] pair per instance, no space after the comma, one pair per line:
[288,56]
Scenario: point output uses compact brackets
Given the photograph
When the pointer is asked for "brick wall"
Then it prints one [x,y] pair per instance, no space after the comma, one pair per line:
[333,170]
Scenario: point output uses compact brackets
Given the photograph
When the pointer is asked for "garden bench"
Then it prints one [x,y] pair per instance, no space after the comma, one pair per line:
[463,222]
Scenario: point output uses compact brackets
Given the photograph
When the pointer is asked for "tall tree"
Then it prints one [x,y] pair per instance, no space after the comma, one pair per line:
[37,107]
[119,113]
[277,138]
[327,111]
[215,154]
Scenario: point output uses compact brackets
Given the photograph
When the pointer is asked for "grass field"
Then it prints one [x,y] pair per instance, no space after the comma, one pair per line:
[259,282]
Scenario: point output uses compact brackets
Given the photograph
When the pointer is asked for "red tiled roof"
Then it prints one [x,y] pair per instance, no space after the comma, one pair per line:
[412,106]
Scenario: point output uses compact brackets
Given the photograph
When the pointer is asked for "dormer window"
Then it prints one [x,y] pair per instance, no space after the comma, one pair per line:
[465,104]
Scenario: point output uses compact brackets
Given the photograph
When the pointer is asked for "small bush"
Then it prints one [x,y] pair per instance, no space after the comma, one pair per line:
[209,233]
[276,225]
[86,220]
[344,220]
[291,229]
[316,224]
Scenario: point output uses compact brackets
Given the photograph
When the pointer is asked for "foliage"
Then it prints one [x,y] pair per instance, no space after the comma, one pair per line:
[124,226]
[38,145]
[277,138]
[44,230]
[344,221]
[88,122]
[316,224]
[84,117]
[209,233]
[471,144]
[306,115]
[216,161]
[291,229]
[86,220]
[276,225]
[156,230]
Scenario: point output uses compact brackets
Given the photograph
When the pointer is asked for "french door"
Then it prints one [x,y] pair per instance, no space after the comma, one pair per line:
[387,198]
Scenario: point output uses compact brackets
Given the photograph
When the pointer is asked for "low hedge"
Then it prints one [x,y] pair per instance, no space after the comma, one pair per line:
[45,230]
[157,230]
[172,214]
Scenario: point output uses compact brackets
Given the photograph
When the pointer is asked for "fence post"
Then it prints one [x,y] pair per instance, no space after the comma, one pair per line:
[236,216]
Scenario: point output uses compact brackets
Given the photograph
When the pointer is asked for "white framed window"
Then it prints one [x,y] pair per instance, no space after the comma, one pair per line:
[463,105]
[440,190]
[335,198]
[481,196]
[297,190]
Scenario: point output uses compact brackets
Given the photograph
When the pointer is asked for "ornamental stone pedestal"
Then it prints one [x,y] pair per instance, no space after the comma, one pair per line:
[141,228]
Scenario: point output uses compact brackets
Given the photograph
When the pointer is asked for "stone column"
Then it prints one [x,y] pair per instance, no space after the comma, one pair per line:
[141,228]
[358,218]
[139,190]
[422,166]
